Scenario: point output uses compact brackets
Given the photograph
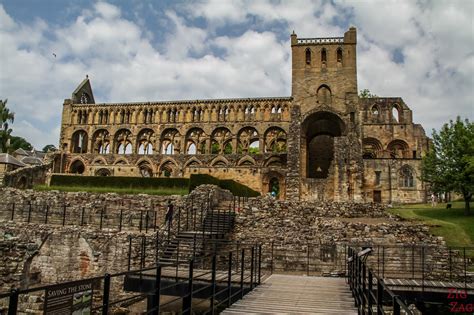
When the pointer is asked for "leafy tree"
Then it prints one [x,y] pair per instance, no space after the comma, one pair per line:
[365,93]
[449,165]
[19,142]
[5,132]
[49,148]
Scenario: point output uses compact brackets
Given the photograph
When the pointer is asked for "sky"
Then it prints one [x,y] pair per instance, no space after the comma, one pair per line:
[145,50]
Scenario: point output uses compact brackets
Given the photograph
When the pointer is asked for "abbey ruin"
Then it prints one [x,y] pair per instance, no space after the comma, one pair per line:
[323,142]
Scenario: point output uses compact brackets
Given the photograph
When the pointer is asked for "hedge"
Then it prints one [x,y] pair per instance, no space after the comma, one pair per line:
[236,188]
[118,181]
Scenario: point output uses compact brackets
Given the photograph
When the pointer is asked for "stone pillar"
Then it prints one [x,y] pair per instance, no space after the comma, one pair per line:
[293,149]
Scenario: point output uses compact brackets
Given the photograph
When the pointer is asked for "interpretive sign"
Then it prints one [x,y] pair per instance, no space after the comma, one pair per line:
[65,299]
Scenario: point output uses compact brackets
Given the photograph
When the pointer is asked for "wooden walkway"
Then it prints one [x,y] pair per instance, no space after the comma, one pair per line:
[284,294]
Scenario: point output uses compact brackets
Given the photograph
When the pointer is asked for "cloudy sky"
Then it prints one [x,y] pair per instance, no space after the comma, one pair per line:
[141,50]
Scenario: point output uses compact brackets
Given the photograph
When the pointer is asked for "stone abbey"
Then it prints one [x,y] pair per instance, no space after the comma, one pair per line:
[323,142]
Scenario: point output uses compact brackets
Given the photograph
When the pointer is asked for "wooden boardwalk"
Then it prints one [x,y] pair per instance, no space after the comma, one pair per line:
[284,294]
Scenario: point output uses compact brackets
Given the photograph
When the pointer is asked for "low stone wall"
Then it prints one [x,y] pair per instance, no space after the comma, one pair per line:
[27,177]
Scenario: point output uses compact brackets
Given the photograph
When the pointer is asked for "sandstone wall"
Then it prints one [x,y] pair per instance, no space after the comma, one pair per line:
[26,177]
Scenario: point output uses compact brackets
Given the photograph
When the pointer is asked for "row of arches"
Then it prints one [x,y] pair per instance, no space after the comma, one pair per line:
[394,113]
[168,166]
[323,56]
[372,149]
[173,114]
[170,141]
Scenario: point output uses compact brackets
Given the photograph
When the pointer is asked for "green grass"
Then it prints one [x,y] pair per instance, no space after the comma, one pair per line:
[456,228]
[122,191]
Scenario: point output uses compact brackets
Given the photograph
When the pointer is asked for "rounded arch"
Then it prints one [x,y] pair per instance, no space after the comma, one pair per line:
[167,168]
[246,137]
[195,141]
[193,162]
[170,141]
[123,141]
[397,149]
[79,141]
[247,161]
[371,148]
[99,161]
[275,140]
[221,141]
[324,94]
[145,140]
[101,141]
[77,167]
[121,161]
[273,161]
[145,168]
[220,161]
[319,130]
[103,172]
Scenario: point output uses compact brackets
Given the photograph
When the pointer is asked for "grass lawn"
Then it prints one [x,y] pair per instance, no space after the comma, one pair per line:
[456,228]
[122,191]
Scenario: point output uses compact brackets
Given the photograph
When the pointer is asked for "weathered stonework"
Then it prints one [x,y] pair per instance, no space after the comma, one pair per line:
[322,143]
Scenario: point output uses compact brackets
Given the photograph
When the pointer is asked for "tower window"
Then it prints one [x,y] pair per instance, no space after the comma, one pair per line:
[308,56]
[339,55]
[323,56]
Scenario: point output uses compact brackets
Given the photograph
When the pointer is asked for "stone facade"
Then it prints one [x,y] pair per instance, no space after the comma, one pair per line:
[322,143]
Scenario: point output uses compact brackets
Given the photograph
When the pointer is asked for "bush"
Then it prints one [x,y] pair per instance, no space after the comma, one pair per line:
[237,189]
[118,181]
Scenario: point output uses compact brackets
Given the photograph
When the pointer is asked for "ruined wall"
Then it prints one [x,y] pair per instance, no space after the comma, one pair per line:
[27,177]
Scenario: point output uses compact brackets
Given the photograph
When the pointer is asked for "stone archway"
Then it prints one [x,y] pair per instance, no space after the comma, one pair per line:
[319,130]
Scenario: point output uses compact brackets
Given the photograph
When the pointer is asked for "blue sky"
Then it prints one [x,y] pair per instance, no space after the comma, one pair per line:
[143,50]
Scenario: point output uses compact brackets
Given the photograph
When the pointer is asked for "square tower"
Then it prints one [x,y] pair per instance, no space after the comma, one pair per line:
[324,72]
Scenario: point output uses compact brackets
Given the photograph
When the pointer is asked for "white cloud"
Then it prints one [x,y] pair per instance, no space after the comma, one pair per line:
[435,39]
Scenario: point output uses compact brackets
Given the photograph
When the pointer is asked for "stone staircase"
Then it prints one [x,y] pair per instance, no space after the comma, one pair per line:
[210,236]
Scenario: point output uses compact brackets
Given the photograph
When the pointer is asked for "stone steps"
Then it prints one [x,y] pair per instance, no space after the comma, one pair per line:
[283,294]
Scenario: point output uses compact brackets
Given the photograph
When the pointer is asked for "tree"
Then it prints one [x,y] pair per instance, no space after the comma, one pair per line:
[19,142]
[365,93]
[449,165]
[49,148]
[5,133]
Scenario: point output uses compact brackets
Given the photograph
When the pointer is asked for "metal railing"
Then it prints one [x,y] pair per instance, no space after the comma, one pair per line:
[236,278]
[370,293]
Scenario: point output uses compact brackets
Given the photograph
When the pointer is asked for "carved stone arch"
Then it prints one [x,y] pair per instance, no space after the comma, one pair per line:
[324,94]
[77,166]
[103,172]
[145,141]
[275,140]
[145,167]
[99,160]
[170,141]
[398,149]
[397,112]
[195,137]
[167,168]
[371,148]
[101,141]
[147,160]
[220,161]
[247,161]
[406,176]
[79,141]
[123,141]
[121,161]
[247,137]
[274,161]
[221,139]
[193,161]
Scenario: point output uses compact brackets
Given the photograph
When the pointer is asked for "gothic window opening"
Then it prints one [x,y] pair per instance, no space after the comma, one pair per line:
[375,110]
[275,140]
[101,141]
[248,141]
[197,137]
[79,142]
[308,56]
[406,177]
[166,170]
[122,142]
[191,148]
[339,55]
[323,56]
[168,148]
[170,141]
[77,167]
[254,147]
[145,142]
[395,114]
[228,148]
[219,139]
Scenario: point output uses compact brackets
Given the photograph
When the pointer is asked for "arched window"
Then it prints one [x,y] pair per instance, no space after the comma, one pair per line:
[339,55]
[192,149]
[77,167]
[406,177]
[323,56]
[122,142]
[395,114]
[168,148]
[79,141]
[308,56]
[375,110]
[324,94]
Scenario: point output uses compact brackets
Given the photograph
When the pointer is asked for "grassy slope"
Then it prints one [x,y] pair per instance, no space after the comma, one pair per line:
[157,191]
[456,228]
